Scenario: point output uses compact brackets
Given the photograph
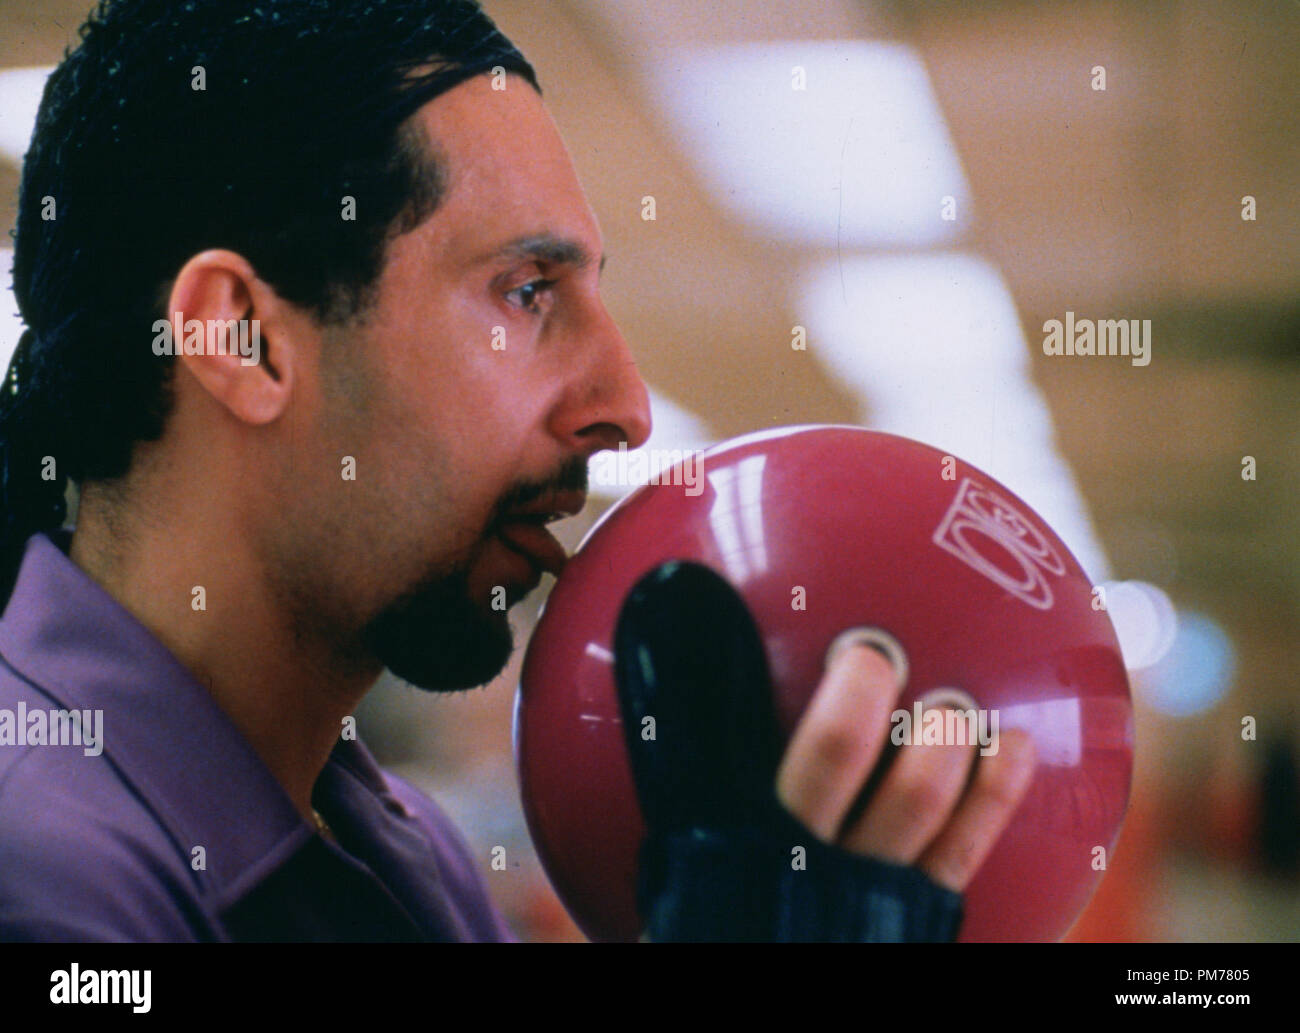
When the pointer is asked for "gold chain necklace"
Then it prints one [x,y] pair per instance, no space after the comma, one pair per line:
[322,826]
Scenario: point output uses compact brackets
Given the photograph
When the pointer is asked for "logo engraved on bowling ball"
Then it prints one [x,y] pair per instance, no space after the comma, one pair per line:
[991,536]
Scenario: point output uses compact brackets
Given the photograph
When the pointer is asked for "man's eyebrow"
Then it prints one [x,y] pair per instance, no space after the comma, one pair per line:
[548,248]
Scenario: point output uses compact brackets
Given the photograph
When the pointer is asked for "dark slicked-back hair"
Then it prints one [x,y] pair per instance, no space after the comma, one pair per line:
[181,125]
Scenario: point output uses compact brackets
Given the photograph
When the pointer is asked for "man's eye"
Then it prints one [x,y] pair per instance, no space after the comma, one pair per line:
[529,294]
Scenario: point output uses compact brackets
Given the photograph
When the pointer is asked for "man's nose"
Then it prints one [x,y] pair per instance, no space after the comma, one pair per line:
[608,402]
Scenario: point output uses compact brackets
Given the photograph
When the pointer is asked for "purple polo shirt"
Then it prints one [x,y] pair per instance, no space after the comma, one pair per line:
[177,831]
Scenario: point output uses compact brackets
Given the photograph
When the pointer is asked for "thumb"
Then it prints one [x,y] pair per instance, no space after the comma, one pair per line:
[688,654]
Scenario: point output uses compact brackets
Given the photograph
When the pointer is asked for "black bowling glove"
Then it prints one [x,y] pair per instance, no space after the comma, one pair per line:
[719,862]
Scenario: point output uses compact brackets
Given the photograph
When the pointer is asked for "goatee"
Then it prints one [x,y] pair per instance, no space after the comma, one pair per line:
[438,639]
[435,636]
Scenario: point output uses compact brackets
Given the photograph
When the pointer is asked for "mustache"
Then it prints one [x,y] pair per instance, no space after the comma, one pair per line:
[572,476]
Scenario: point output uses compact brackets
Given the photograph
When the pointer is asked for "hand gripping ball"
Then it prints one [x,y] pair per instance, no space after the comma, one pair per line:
[821,529]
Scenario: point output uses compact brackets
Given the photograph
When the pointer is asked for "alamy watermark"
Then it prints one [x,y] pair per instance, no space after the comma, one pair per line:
[675,466]
[945,725]
[242,337]
[1072,336]
[38,727]
[73,985]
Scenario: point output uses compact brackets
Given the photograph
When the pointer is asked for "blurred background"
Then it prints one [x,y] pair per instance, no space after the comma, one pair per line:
[912,190]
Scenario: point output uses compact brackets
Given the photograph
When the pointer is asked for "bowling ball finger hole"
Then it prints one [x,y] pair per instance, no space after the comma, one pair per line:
[952,699]
[878,639]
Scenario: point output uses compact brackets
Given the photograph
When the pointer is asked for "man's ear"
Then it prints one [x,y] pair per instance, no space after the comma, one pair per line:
[239,339]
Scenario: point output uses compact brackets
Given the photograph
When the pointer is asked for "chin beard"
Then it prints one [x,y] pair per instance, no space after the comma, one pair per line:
[438,639]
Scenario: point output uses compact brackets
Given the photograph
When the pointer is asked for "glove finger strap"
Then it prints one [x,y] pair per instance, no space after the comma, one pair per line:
[752,885]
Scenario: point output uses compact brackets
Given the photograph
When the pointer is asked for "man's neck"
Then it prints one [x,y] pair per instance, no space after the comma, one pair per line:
[208,602]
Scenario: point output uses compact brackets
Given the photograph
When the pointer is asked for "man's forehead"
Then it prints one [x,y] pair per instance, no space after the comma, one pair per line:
[482,135]
[510,187]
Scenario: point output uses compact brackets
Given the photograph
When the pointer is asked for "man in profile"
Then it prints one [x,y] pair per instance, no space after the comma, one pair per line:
[377,189]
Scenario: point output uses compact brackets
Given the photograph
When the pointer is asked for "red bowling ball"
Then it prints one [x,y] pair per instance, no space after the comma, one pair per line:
[820,529]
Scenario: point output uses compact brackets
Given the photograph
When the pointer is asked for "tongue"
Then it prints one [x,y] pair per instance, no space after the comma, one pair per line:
[537,543]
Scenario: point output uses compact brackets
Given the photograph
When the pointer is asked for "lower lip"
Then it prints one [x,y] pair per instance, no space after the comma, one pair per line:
[525,570]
